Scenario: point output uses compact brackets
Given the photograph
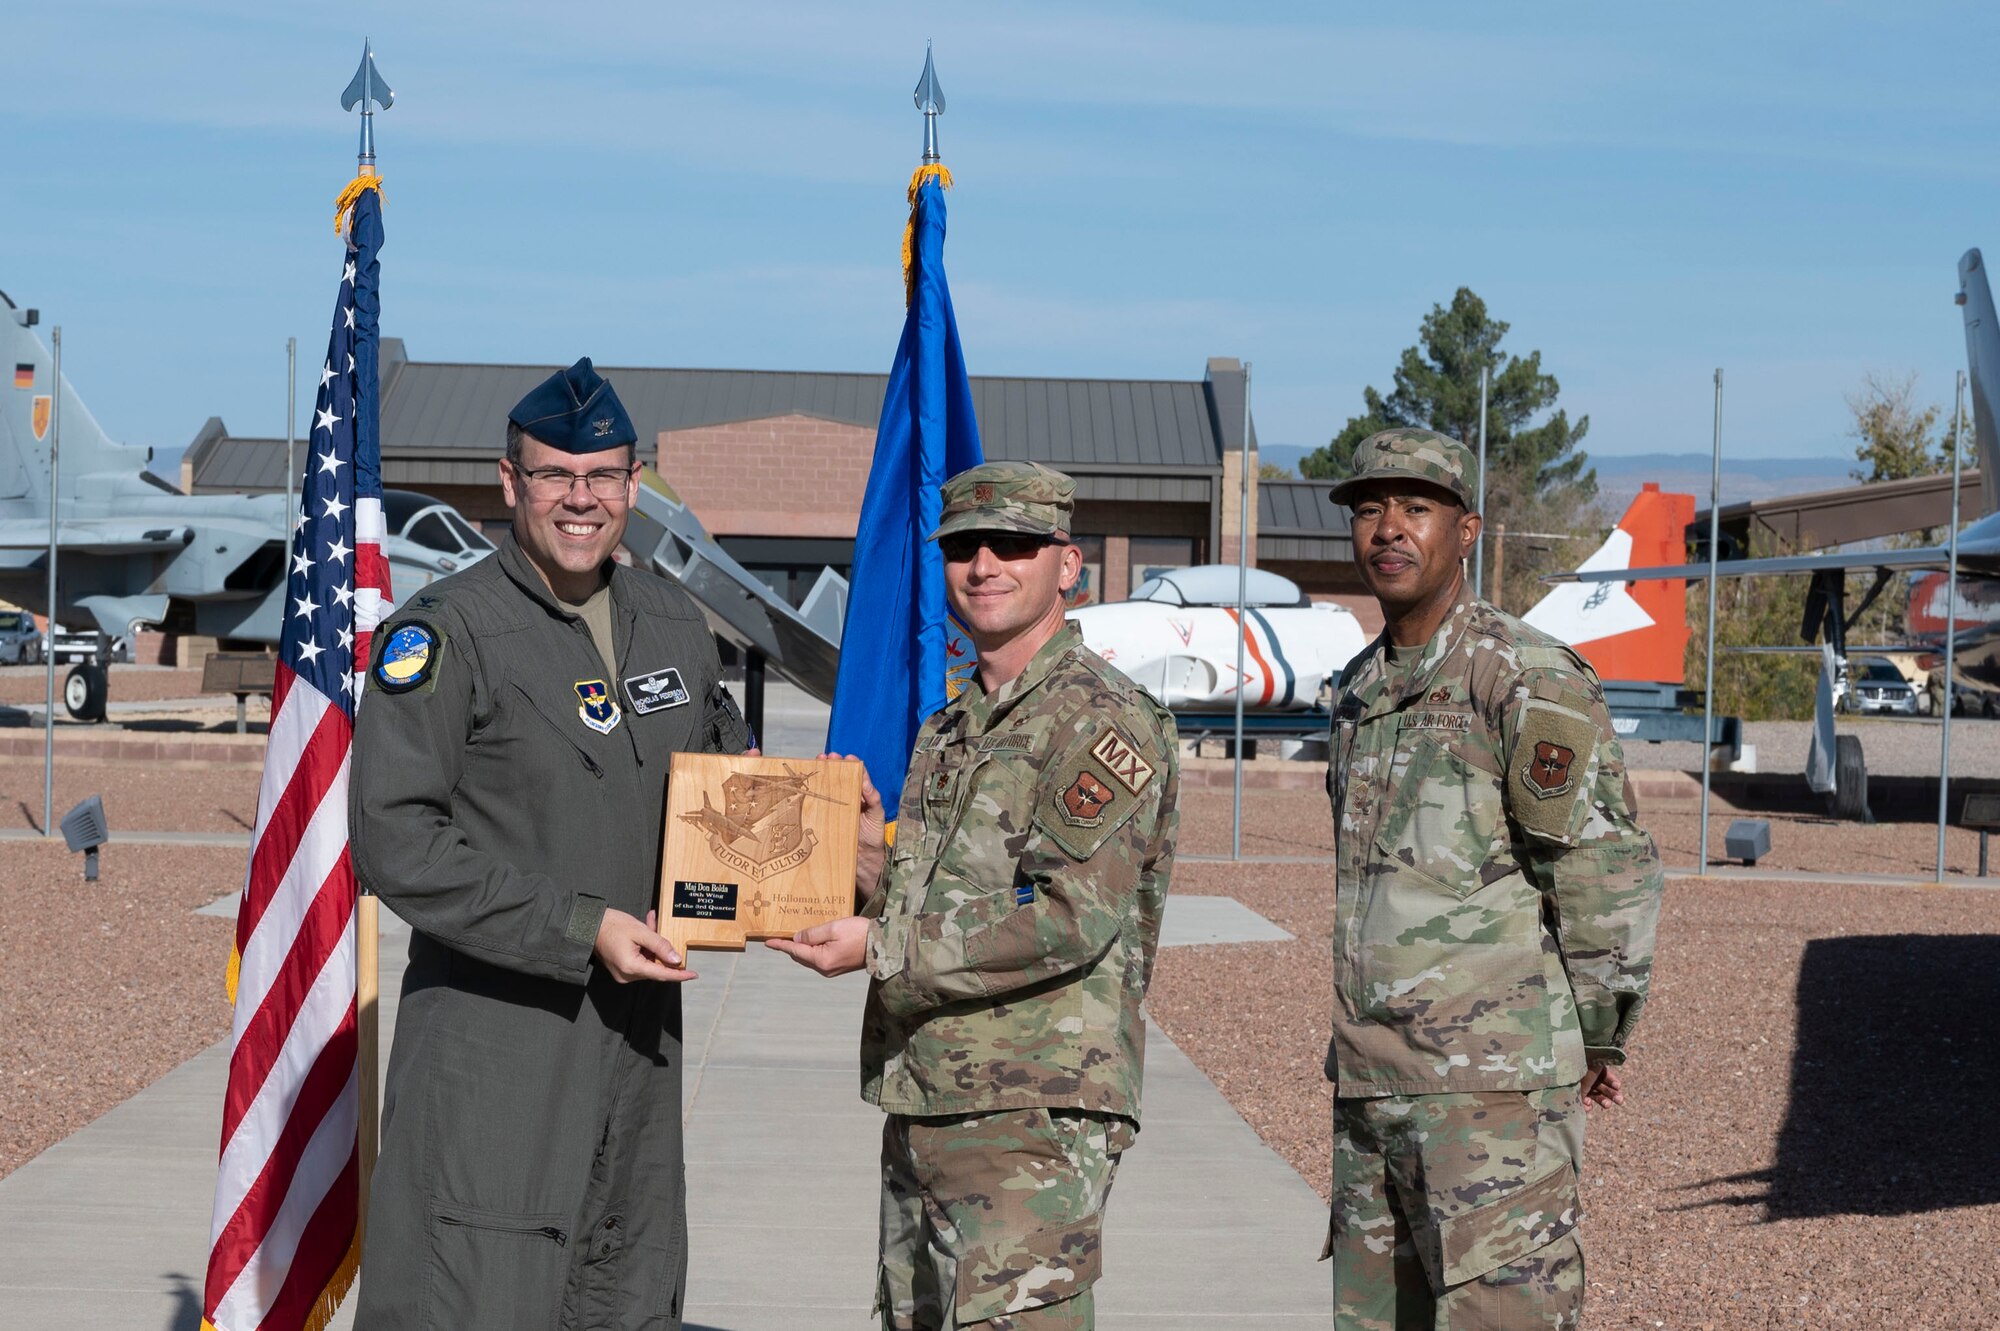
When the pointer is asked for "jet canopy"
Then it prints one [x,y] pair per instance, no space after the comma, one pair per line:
[1215,584]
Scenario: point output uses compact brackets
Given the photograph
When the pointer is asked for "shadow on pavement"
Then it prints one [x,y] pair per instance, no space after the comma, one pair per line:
[1895,1075]
[187,1304]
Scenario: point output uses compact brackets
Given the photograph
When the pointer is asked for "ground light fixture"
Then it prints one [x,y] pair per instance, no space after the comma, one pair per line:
[84,829]
[1748,839]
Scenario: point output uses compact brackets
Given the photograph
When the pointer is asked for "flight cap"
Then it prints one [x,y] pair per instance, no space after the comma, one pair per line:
[1008,496]
[575,410]
[1420,455]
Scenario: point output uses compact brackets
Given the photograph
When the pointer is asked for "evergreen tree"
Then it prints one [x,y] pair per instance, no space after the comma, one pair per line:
[1437,388]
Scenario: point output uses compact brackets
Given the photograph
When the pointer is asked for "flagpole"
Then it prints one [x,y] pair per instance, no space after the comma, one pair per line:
[49,638]
[1950,627]
[1242,614]
[291,418]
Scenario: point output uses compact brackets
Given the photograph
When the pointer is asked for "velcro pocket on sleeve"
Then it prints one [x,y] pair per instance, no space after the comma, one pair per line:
[1016,1275]
[1508,1228]
[1088,794]
[1550,772]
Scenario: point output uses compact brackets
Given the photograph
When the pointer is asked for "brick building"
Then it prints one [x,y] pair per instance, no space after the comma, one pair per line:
[775,462]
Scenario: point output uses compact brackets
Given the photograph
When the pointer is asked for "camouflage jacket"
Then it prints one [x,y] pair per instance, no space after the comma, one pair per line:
[1019,913]
[1494,914]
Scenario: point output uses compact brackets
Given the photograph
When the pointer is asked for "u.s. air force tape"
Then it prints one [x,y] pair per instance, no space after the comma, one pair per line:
[409,657]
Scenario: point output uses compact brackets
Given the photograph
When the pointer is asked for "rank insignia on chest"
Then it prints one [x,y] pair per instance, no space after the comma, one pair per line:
[656,691]
[1086,797]
[596,706]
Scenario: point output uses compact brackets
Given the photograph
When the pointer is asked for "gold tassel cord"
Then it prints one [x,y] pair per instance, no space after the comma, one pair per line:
[929,171]
[350,196]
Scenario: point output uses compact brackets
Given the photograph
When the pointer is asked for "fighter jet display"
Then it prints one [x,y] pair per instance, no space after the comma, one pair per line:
[133,552]
[1974,604]
[1176,638]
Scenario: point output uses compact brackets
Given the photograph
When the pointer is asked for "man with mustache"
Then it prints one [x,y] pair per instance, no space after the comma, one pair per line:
[1493,926]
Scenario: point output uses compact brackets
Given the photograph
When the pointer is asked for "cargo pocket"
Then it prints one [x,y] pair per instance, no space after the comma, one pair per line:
[1508,1228]
[494,1269]
[1018,1274]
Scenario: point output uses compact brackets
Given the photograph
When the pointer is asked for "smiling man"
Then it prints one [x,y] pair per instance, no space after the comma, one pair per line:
[509,783]
[1493,926]
[1011,938]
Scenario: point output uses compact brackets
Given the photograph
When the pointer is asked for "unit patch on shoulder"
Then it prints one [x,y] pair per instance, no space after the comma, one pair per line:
[1122,759]
[409,657]
[1085,799]
[596,706]
[1550,768]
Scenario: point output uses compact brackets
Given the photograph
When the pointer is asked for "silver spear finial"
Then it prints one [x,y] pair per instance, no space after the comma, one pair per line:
[368,86]
[930,100]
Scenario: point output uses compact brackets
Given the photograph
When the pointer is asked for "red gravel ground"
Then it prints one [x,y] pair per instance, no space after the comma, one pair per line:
[105,986]
[1810,1134]
[177,797]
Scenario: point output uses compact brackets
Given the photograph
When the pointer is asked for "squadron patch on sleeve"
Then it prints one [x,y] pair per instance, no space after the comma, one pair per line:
[409,657]
[1549,772]
[1122,759]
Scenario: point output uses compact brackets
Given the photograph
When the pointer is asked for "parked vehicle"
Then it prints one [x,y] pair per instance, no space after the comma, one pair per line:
[20,639]
[74,647]
[1876,686]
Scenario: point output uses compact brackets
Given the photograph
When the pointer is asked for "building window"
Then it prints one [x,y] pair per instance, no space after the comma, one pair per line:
[1154,555]
[1089,589]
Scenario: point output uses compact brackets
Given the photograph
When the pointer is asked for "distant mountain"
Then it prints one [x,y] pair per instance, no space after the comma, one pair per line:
[1620,477]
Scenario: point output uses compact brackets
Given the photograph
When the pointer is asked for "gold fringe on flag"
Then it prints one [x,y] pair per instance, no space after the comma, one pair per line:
[234,972]
[328,1303]
[929,171]
[350,196]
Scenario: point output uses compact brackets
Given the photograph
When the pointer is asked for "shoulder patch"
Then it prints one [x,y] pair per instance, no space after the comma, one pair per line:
[1550,769]
[409,656]
[1122,759]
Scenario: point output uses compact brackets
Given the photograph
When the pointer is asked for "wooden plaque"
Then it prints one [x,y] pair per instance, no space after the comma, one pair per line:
[756,847]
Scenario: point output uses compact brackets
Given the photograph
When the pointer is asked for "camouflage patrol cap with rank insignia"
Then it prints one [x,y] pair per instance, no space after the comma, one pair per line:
[1022,497]
[575,410]
[1415,455]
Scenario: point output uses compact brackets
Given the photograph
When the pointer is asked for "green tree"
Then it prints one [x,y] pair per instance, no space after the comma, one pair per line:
[1437,388]
[1271,471]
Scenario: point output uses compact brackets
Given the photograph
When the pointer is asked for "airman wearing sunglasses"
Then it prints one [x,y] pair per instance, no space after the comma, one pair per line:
[1011,937]
[510,769]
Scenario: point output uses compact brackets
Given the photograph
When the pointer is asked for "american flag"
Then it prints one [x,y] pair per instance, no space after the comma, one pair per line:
[285,1230]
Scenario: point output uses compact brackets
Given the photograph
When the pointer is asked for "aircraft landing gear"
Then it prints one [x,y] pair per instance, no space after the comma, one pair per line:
[1850,776]
[85,689]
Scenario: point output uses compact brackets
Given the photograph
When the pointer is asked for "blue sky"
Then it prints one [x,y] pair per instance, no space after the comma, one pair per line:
[1645,194]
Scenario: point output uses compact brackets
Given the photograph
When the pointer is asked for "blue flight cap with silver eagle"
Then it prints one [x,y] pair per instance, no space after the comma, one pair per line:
[575,410]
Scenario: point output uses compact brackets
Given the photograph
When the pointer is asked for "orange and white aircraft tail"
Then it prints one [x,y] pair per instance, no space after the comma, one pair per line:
[1629,630]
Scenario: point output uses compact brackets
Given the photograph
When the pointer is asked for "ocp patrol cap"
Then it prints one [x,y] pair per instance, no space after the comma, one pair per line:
[1008,496]
[1419,455]
[575,410]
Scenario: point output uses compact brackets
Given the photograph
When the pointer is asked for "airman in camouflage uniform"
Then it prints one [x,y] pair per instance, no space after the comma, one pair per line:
[1493,930]
[1010,939]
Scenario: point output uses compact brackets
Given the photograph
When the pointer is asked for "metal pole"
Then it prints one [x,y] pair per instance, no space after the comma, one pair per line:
[1708,660]
[49,640]
[291,424]
[1242,615]
[1479,548]
[1950,618]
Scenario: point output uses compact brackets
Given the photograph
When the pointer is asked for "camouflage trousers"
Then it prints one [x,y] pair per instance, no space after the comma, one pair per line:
[991,1220]
[1454,1212]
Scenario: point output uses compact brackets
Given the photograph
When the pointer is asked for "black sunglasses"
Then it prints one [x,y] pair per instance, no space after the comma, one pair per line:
[961,547]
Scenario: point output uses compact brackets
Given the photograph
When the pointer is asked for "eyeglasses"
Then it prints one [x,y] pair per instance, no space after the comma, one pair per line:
[962,547]
[556,483]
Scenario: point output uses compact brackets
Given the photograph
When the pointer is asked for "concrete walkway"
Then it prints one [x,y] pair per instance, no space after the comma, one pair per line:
[108,1230]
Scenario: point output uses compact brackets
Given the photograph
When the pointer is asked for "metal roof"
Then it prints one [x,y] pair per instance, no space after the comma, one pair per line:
[436,407]
[1299,508]
[244,466]
[1296,521]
